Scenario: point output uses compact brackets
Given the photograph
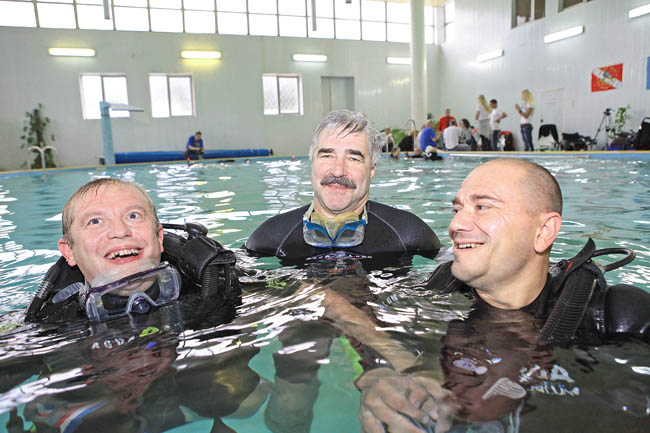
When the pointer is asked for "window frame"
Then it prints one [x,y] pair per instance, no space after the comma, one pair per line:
[277,77]
[169,93]
[533,12]
[102,75]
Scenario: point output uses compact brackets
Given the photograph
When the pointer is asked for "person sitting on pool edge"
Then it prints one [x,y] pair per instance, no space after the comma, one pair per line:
[112,247]
[507,216]
[344,155]
[194,147]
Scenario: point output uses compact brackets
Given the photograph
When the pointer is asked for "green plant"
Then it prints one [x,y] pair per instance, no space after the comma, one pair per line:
[398,134]
[620,118]
[34,135]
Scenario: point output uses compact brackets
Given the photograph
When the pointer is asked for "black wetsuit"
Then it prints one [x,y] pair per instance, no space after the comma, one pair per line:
[618,309]
[389,231]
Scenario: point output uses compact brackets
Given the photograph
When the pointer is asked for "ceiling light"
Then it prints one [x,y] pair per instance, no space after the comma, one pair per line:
[637,12]
[309,58]
[72,52]
[398,60]
[201,54]
[489,56]
[573,31]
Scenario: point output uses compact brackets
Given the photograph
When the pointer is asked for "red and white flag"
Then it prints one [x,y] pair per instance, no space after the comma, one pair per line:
[607,78]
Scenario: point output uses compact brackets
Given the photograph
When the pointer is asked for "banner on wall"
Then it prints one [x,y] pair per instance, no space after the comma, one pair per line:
[607,78]
[647,80]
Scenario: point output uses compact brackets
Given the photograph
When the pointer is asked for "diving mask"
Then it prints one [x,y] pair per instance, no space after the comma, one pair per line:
[136,293]
[345,230]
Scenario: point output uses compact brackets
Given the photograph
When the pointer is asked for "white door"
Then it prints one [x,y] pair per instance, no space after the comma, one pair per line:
[338,92]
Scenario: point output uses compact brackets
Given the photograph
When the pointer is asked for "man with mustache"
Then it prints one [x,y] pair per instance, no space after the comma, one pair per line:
[341,219]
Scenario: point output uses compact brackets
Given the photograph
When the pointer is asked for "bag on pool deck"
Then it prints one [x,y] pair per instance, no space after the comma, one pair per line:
[642,140]
[508,143]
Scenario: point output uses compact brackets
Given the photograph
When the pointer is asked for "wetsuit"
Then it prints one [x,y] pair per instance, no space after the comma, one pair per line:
[389,231]
[618,309]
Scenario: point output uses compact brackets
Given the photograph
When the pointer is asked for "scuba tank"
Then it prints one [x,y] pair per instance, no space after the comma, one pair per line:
[202,262]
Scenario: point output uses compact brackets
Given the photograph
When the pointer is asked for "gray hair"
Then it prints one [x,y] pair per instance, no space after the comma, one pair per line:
[348,122]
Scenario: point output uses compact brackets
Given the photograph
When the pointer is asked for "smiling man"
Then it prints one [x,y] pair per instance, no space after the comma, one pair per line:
[341,219]
[507,216]
[110,230]
[114,262]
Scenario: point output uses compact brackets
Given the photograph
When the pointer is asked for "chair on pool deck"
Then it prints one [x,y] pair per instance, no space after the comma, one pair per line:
[547,138]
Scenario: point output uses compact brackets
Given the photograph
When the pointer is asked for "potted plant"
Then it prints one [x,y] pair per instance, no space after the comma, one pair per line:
[620,118]
[34,135]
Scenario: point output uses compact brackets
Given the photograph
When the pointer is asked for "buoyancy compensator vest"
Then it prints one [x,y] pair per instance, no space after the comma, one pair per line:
[203,263]
[576,284]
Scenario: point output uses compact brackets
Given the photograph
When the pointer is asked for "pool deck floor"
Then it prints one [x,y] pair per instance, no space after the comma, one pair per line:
[642,155]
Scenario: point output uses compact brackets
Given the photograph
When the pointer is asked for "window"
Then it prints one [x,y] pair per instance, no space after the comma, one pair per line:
[18,14]
[102,87]
[282,94]
[525,10]
[171,95]
[450,21]
[369,20]
[563,4]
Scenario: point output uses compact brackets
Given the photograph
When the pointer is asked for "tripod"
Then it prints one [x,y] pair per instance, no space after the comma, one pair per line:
[607,121]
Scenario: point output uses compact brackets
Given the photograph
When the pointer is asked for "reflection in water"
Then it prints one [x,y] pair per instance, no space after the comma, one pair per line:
[240,373]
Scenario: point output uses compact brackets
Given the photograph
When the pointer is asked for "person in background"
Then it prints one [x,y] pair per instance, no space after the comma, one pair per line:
[406,143]
[445,120]
[466,136]
[394,154]
[443,123]
[387,140]
[451,138]
[482,116]
[194,146]
[428,137]
[525,110]
[496,116]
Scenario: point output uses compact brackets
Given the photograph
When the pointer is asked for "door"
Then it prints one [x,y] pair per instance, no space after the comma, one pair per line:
[338,92]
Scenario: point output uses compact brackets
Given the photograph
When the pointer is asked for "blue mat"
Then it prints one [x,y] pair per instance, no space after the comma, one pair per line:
[134,157]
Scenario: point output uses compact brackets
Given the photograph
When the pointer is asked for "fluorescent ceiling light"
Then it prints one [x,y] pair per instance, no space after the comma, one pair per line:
[309,58]
[72,52]
[637,12]
[573,31]
[201,54]
[398,60]
[489,56]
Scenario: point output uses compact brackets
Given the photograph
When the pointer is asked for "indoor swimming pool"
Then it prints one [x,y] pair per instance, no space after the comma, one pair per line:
[193,367]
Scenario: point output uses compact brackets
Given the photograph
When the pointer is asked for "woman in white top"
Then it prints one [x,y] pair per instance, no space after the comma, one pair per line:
[482,117]
[526,113]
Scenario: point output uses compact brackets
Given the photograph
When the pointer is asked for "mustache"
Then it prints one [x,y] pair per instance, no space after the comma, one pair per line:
[343,181]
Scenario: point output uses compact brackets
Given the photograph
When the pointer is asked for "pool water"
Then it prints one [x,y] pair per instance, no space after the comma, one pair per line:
[189,366]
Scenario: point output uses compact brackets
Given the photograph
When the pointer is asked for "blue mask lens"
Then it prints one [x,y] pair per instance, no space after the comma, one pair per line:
[137,293]
[349,235]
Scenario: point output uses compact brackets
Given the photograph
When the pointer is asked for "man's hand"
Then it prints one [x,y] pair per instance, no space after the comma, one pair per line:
[403,403]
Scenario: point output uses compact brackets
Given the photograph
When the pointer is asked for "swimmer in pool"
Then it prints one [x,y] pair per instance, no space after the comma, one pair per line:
[507,216]
[341,218]
[112,247]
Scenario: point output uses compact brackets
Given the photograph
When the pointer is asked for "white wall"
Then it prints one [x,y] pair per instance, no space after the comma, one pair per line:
[229,92]
[609,38]
[229,100]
